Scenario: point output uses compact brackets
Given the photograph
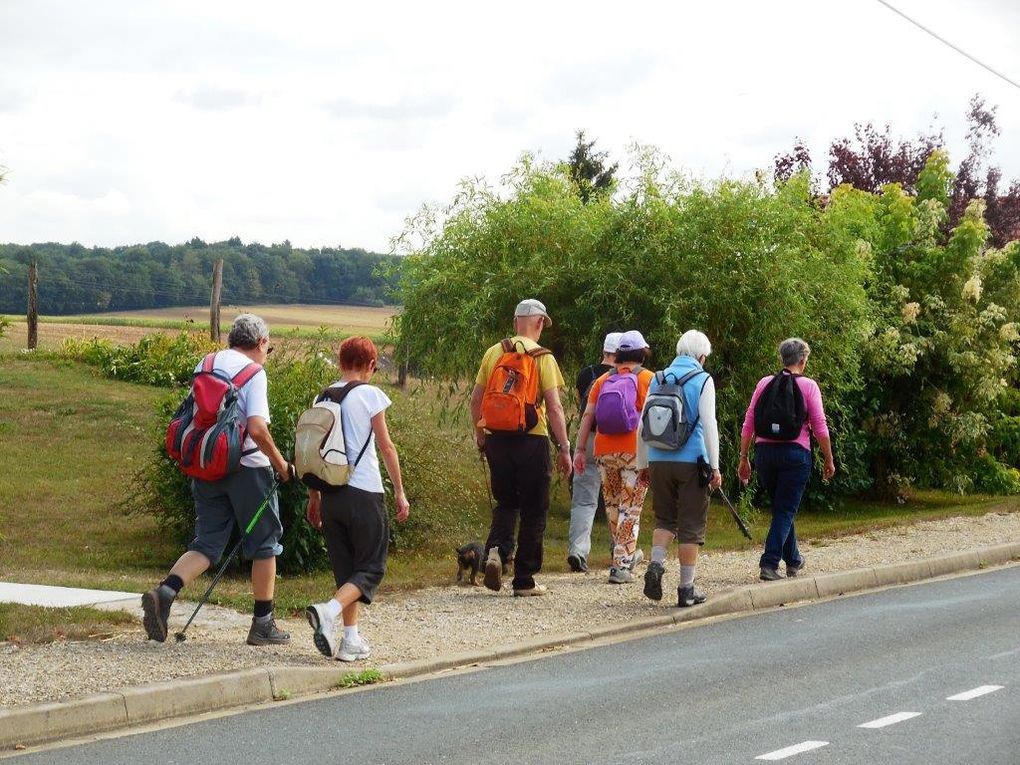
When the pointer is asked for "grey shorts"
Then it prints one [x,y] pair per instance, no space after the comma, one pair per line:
[220,505]
[356,528]
[679,502]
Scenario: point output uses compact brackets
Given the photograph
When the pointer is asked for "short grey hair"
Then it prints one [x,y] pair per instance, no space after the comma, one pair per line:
[247,331]
[793,350]
[694,343]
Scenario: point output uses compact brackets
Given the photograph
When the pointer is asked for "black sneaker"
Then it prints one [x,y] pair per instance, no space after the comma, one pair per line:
[769,574]
[796,568]
[688,596]
[577,564]
[267,634]
[653,580]
[156,613]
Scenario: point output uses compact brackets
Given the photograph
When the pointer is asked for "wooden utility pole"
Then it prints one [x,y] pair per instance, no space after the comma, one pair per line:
[33,307]
[214,303]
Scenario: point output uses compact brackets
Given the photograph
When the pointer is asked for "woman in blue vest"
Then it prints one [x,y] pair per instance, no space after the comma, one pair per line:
[679,493]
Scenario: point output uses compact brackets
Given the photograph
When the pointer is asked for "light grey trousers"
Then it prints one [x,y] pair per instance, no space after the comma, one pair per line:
[583,504]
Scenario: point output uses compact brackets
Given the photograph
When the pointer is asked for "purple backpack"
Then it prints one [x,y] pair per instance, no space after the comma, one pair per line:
[616,408]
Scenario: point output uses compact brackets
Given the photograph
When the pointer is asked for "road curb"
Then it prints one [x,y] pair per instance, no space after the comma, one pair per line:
[41,723]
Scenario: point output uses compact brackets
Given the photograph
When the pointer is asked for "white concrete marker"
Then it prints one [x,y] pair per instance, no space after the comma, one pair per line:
[981,690]
[882,722]
[58,597]
[782,754]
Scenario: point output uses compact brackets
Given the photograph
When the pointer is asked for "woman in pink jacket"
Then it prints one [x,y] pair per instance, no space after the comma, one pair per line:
[785,411]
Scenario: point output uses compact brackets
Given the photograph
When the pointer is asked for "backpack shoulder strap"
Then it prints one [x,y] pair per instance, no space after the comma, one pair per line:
[209,362]
[243,377]
[337,395]
[540,351]
[507,344]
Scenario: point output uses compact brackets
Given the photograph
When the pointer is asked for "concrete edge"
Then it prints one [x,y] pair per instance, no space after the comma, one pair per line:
[41,723]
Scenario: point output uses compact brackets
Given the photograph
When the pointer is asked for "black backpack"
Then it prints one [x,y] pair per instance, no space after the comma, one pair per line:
[780,412]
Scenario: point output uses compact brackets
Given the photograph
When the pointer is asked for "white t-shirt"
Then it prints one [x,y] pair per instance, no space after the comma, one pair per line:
[359,407]
[252,399]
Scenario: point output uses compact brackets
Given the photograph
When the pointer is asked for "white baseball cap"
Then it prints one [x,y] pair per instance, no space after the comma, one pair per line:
[631,340]
[531,307]
[611,342]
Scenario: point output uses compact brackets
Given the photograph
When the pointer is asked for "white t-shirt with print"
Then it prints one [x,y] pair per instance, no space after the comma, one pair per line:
[359,407]
[252,399]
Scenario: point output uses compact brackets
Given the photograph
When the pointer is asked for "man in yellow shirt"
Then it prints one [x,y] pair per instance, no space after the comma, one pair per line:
[519,460]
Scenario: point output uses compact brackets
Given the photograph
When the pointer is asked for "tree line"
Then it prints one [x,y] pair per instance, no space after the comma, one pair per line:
[77,279]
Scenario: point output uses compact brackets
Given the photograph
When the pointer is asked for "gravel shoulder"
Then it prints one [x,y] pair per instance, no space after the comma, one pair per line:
[441,620]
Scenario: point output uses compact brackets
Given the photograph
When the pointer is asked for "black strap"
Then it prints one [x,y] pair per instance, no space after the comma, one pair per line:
[337,396]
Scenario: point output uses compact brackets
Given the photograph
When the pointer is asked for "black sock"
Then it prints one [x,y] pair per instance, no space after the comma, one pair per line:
[174,582]
[263,608]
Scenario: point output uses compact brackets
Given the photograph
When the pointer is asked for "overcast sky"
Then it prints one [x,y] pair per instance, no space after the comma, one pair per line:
[328,123]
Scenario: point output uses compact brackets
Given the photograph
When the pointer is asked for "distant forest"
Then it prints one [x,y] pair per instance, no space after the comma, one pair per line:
[76,279]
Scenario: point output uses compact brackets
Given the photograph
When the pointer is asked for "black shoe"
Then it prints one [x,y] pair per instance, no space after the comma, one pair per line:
[577,564]
[493,578]
[653,580]
[688,596]
[795,569]
[769,574]
[267,634]
[156,613]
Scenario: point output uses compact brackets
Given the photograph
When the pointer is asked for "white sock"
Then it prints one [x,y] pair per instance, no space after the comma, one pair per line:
[686,575]
[658,554]
[351,633]
[333,608]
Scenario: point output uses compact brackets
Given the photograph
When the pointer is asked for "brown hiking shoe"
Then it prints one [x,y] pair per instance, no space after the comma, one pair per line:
[494,570]
[156,613]
[267,634]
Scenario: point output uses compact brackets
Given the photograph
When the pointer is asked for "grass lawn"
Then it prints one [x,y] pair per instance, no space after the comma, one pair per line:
[35,624]
[70,440]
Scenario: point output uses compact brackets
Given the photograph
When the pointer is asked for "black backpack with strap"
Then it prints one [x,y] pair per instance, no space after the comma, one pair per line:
[780,412]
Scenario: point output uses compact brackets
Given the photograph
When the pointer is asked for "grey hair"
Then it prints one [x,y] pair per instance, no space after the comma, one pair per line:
[247,331]
[793,351]
[694,343]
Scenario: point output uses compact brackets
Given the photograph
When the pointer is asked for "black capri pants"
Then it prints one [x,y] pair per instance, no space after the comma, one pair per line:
[356,528]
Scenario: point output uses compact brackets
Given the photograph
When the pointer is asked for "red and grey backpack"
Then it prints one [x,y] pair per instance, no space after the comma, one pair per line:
[206,435]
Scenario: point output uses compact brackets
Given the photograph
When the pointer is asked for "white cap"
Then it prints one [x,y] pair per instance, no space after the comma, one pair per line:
[631,341]
[612,340]
[533,307]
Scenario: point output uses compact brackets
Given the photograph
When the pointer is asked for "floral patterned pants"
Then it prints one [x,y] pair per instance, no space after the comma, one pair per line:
[624,498]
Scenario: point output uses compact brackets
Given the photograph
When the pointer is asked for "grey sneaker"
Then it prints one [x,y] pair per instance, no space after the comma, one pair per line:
[688,596]
[620,576]
[324,629]
[796,569]
[653,580]
[267,634]
[494,570]
[770,574]
[353,651]
[156,612]
[636,559]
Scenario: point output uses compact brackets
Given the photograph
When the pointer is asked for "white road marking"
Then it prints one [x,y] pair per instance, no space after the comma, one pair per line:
[974,693]
[782,754]
[890,720]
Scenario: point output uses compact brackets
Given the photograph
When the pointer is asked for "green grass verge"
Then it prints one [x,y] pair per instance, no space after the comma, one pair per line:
[35,624]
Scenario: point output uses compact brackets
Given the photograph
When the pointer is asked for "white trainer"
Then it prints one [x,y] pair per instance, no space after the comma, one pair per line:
[323,629]
[353,650]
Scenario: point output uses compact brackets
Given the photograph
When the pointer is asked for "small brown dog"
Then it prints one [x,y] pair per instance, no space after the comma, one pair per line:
[471,557]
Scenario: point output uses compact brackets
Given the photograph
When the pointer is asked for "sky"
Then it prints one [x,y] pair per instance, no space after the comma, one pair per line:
[327,124]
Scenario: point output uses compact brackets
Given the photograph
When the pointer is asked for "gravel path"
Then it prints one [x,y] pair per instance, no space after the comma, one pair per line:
[440,620]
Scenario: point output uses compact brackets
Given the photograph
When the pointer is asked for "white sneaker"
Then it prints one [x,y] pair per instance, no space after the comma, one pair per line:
[353,650]
[324,629]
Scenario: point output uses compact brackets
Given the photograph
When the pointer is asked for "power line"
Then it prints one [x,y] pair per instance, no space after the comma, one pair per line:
[944,41]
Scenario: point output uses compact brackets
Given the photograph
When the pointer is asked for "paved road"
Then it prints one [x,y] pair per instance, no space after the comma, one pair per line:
[724,693]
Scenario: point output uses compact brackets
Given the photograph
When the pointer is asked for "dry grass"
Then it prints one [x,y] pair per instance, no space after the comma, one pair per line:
[353,319]
[51,335]
[35,624]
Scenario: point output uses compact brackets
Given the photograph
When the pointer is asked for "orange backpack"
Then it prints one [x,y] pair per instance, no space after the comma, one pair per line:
[510,401]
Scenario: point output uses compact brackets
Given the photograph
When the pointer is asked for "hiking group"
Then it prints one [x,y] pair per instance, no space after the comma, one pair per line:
[639,431]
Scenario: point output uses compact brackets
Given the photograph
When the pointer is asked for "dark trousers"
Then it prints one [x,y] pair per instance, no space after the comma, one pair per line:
[520,469]
[783,472]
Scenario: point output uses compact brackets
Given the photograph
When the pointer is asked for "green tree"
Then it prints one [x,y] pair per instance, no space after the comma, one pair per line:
[588,169]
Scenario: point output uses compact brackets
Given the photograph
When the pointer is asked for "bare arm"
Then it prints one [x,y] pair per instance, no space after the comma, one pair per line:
[476,414]
[258,429]
[389,454]
[558,424]
[582,439]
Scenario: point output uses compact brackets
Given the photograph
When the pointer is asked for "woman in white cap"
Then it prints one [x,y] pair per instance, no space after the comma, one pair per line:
[615,402]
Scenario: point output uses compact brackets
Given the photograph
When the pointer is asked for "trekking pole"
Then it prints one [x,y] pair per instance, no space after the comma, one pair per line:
[485,477]
[180,636]
[736,516]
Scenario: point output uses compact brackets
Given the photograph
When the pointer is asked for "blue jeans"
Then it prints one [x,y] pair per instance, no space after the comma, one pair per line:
[783,472]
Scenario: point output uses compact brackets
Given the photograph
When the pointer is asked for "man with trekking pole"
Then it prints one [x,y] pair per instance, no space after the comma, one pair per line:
[220,437]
